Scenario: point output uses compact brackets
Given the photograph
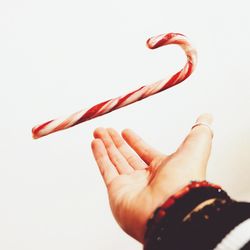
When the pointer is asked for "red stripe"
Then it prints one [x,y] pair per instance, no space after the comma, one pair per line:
[123,99]
[36,130]
[91,112]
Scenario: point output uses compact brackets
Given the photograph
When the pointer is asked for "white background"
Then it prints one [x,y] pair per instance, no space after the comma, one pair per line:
[57,57]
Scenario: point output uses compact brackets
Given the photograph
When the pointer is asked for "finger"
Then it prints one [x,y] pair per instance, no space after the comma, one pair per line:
[107,169]
[197,144]
[134,161]
[114,154]
[146,152]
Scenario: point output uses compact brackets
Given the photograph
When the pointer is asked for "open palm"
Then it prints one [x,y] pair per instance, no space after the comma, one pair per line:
[140,178]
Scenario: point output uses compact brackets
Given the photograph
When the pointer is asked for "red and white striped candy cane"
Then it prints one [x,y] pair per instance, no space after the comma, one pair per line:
[137,95]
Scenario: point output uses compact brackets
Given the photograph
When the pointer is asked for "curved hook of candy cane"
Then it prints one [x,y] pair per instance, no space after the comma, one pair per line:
[139,94]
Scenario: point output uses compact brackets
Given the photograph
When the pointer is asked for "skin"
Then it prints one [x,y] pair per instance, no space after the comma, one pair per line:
[139,178]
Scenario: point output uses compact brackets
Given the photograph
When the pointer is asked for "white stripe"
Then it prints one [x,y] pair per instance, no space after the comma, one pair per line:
[236,238]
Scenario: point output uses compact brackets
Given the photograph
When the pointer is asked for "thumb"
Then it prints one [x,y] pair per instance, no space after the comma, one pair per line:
[197,145]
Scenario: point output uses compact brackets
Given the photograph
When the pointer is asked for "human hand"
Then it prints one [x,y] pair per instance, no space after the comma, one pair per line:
[139,178]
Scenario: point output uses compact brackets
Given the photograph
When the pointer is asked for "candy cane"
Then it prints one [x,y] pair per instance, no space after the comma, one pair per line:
[137,95]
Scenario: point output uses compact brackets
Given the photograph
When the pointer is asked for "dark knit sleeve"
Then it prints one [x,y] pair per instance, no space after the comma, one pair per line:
[214,226]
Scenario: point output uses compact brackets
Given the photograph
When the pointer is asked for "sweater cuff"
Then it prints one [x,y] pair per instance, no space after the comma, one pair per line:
[204,229]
